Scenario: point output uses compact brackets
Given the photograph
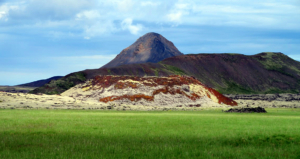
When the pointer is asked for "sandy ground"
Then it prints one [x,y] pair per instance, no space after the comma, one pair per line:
[31,101]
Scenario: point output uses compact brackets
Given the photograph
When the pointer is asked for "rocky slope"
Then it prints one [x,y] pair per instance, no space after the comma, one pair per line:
[151,47]
[176,91]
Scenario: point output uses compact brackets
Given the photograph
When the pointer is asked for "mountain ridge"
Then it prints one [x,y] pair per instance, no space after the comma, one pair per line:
[228,73]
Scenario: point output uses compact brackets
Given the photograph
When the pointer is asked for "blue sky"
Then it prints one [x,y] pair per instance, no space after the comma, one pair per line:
[40,39]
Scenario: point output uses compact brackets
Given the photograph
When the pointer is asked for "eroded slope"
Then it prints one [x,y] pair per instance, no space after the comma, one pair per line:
[148,91]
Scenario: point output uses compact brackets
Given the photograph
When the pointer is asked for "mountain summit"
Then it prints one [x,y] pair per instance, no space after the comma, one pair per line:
[151,47]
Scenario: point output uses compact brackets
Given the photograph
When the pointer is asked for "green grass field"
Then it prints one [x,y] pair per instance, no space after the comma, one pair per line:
[172,134]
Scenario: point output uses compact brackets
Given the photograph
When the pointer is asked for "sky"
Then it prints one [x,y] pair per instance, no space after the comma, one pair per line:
[44,38]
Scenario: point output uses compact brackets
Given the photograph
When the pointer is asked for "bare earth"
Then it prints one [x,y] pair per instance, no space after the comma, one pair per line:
[31,101]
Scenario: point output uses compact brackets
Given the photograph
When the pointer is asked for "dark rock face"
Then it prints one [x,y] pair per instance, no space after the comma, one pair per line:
[151,47]
[247,110]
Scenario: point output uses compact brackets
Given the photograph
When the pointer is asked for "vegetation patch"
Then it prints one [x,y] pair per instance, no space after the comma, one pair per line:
[277,62]
[234,88]
[277,91]
[109,72]
[155,71]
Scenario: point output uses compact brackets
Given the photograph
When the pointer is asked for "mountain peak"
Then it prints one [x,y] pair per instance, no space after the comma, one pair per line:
[151,47]
[150,35]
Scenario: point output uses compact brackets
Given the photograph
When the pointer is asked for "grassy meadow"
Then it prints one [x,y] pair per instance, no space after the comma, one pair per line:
[139,134]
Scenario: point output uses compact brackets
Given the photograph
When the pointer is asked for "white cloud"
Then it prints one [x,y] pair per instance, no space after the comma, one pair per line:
[2,14]
[90,14]
[175,17]
[4,10]
[134,29]
[265,14]
[99,28]
[149,3]
[122,5]
[58,9]
[178,12]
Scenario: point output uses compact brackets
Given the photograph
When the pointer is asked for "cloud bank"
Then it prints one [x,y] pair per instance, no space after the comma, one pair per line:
[98,17]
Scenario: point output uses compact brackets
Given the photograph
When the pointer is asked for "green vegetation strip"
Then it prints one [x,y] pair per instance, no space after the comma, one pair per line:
[176,134]
[175,70]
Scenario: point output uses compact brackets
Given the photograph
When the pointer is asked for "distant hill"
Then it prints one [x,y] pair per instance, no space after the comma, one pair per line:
[40,83]
[266,72]
[151,47]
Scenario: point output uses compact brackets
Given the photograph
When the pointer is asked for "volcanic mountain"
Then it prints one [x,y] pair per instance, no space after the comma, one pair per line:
[153,55]
[151,47]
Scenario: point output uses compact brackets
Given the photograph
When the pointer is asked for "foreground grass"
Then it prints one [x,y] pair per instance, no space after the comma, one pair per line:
[111,134]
